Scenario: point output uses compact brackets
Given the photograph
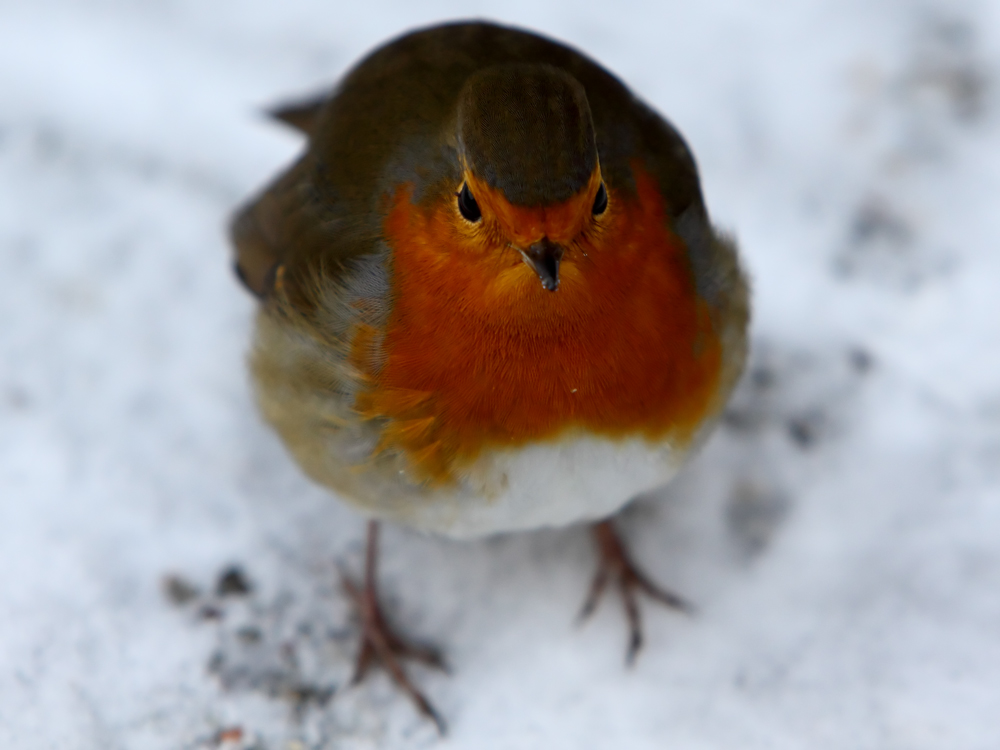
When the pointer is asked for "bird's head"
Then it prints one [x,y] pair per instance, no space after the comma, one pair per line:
[531,178]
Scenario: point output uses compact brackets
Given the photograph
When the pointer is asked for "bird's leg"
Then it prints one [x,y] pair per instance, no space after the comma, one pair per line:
[615,565]
[380,643]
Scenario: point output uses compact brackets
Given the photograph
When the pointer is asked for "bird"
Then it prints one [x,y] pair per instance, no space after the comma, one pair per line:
[491,300]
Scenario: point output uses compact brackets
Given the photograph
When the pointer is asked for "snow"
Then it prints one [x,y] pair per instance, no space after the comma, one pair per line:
[838,534]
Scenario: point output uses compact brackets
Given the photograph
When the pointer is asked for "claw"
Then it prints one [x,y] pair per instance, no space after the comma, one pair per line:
[615,563]
[380,643]
[597,586]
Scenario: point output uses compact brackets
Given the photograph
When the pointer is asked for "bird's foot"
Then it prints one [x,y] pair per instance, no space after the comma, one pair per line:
[379,643]
[615,564]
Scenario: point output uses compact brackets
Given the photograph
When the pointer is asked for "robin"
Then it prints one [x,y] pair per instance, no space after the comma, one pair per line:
[491,300]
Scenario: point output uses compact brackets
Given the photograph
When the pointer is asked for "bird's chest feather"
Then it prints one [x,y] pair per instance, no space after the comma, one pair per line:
[476,356]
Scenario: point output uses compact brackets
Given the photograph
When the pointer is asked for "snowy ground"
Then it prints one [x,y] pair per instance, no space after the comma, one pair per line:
[840,535]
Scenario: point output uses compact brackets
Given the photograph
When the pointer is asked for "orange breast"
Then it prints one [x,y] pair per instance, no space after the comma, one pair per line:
[477,355]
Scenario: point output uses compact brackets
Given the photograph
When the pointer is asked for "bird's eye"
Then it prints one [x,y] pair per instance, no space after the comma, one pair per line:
[600,201]
[467,204]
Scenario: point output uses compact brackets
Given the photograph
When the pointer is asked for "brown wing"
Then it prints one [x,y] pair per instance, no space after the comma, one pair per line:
[256,228]
[256,261]
[256,233]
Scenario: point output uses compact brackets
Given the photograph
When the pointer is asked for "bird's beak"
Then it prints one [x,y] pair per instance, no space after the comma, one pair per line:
[543,257]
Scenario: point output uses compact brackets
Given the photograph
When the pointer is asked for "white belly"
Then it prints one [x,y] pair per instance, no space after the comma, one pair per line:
[555,484]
